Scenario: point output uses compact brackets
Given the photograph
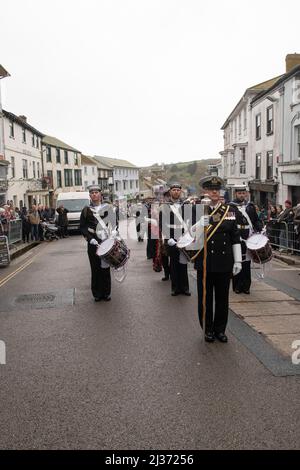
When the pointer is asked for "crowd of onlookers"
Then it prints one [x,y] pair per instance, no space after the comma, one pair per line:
[32,220]
[283,225]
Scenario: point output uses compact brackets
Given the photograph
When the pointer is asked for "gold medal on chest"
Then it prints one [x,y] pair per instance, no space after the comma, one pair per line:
[216,217]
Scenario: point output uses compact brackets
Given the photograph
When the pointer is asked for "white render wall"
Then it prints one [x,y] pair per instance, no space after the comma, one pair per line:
[237,135]
[290,102]
[89,175]
[267,142]
[15,147]
[131,177]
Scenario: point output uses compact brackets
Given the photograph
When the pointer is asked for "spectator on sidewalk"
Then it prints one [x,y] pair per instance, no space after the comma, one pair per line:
[34,220]
[46,214]
[62,221]
[286,220]
[297,225]
[26,227]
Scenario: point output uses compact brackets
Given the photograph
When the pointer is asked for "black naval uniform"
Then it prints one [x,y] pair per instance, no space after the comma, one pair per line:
[242,281]
[151,242]
[171,227]
[219,265]
[101,280]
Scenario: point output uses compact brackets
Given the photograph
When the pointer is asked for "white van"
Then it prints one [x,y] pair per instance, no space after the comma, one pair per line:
[74,202]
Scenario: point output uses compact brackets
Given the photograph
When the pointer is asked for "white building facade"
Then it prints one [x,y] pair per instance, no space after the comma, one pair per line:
[125,178]
[89,171]
[262,139]
[238,164]
[277,151]
[22,149]
[62,168]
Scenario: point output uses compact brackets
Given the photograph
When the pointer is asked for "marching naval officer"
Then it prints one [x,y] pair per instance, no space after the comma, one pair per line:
[224,258]
[247,223]
[95,234]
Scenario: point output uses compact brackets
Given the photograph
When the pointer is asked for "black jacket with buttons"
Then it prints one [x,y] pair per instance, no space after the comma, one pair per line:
[89,223]
[242,222]
[219,247]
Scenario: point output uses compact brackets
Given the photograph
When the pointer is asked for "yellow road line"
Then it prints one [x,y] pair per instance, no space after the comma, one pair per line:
[19,269]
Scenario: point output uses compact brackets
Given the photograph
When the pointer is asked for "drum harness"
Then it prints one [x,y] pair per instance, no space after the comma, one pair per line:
[122,269]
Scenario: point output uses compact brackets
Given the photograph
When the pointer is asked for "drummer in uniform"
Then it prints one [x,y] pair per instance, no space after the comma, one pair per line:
[95,233]
[224,258]
[172,227]
[247,223]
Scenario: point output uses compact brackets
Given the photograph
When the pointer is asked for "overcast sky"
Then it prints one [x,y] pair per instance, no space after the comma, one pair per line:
[145,80]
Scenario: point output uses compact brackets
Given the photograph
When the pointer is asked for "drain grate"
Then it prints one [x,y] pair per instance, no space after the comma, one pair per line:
[39,300]
[35,298]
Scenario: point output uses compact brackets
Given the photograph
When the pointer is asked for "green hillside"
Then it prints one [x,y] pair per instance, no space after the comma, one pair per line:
[189,173]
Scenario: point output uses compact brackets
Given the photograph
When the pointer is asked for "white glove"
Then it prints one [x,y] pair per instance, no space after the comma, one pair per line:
[114,233]
[171,242]
[93,242]
[237,256]
[204,220]
[237,267]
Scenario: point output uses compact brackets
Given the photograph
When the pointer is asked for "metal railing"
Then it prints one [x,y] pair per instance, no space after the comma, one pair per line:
[12,229]
[283,237]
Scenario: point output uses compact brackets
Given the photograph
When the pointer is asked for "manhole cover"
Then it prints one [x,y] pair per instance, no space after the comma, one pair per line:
[35,298]
[40,300]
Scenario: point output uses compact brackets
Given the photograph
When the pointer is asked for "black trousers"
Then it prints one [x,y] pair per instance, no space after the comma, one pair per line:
[178,272]
[242,281]
[101,280]
[165,265]
[217,288]
[151,245]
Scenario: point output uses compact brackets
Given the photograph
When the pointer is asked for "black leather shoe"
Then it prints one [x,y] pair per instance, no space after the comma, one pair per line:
[107,298]
[221,337]
[246,292]
[237,291]
[97,299]
[209,337]
[166,278]
[174,292]
[187,293]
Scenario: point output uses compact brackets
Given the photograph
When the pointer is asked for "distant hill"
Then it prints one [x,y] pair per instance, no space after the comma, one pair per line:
[186,173]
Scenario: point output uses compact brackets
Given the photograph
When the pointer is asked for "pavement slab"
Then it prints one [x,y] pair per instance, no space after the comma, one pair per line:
[259,296]
[253,309]
[284,342]
[276,324]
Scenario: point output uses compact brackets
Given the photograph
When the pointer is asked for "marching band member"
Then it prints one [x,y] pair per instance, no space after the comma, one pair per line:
[224,258]
[171,225]
[95,233]
[164,252]
[247,223]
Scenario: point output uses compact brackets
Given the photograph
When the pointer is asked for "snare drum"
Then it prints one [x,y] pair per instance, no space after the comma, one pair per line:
[259,248]
[186,245]
[114,252]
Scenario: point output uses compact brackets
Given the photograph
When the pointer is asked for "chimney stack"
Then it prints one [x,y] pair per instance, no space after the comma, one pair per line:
[24,118]
[291,61]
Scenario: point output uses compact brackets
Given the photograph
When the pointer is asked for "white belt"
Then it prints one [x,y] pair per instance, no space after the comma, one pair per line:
[243,226]
[174,226]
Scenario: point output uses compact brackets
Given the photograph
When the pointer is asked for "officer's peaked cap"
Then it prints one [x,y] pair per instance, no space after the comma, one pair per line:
[211,182]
